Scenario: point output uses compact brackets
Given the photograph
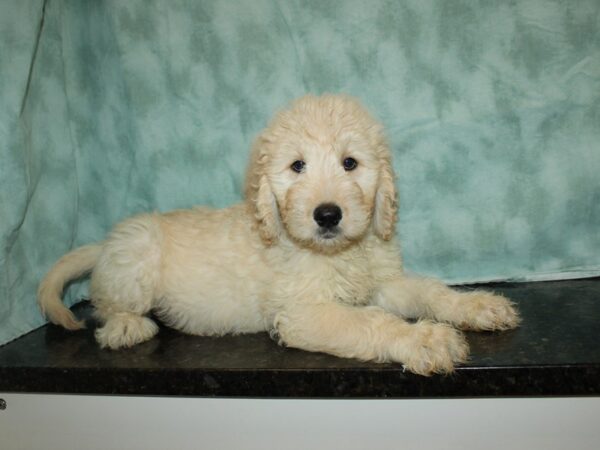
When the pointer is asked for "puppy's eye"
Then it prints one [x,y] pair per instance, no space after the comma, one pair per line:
[298,166]
[349,164]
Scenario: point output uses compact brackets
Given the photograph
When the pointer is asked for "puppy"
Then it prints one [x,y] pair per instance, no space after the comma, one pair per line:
[310,256]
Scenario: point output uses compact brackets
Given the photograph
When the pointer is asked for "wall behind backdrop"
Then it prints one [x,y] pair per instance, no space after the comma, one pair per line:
[110,108]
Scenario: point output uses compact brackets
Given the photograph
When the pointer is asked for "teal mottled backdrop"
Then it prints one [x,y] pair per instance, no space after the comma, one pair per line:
[109,108]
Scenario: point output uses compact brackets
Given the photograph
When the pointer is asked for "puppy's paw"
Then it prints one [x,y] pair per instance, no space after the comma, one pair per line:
[484,311]
[125,330]
[433,348]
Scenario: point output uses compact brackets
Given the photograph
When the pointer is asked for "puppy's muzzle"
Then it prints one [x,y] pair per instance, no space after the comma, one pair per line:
[327,216]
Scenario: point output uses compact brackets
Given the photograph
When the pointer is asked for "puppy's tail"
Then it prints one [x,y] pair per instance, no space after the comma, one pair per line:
[70,267]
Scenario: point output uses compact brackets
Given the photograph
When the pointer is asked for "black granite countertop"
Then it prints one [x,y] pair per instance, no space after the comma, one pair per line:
[554,352]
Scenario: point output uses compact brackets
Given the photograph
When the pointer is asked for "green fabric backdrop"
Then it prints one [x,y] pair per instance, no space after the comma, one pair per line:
[109,108]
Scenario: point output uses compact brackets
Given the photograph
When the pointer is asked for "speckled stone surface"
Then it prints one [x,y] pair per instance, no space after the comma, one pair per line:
[554,352]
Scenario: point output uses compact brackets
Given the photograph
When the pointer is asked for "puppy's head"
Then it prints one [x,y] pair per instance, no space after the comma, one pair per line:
[321,174]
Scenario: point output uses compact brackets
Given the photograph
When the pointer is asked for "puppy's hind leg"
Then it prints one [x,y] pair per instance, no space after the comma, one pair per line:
[125,329]
[125,281]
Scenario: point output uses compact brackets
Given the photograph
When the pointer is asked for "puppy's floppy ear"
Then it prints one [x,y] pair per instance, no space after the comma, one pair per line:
[386,204]
[259,195]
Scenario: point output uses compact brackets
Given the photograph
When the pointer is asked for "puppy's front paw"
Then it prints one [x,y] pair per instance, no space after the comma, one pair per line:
[484,311]
[433,348]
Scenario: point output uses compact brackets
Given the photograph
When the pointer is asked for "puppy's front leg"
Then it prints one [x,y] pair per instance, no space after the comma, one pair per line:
[370,333]
[417,297]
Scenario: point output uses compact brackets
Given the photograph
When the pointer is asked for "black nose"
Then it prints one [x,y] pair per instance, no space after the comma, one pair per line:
[327,215]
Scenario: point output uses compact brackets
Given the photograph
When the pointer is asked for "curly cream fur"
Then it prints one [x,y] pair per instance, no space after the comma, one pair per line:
[263,265]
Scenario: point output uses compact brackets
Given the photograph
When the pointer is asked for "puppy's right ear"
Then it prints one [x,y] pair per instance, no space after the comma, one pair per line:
[259,195]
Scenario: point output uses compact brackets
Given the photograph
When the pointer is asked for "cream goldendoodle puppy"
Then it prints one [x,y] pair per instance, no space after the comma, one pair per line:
[309,256]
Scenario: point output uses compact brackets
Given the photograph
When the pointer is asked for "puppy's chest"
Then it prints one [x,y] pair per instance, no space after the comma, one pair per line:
[350,283]
[348,280]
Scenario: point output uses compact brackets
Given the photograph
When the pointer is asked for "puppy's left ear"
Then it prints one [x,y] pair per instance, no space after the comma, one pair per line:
[259,195]
[386,204]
